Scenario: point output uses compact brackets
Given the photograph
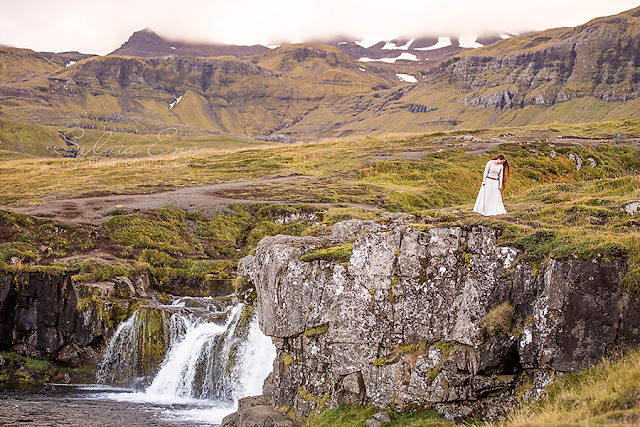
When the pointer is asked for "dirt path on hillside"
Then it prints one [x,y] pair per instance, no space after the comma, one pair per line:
[209,199]
[92,210]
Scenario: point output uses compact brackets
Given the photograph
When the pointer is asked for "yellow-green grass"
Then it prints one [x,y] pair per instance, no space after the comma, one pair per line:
[96,146]
[606,394]
[356,416]
[578,213]
[339,254]
[339,161]
[21,64]
[166,243]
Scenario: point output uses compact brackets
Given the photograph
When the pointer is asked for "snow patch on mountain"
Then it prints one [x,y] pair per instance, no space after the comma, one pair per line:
[407,78]
[442,42]
[469,41]
[173,104]
[367,43]
[406,56]
[387,60]
[393,46]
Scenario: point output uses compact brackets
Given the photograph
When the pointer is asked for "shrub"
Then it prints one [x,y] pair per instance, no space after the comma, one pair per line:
[499,321]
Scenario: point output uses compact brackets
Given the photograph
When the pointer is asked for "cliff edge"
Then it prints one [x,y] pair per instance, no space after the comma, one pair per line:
[400,315]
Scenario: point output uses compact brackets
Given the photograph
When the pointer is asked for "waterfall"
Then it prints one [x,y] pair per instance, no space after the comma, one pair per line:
[140,343]
[200,364]
[186,353]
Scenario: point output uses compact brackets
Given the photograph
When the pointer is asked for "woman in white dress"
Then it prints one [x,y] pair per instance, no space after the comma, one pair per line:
[496,174]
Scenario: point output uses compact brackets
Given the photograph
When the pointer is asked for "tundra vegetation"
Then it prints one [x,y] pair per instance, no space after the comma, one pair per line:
[566,198]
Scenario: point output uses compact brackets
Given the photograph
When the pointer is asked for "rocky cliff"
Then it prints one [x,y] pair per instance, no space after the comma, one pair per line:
[565,75]
[423,315]
[50,316]
[600,59]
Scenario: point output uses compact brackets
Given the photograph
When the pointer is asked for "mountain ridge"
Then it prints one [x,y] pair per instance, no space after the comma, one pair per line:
[304,91]
[587,73]
[146,43]
[220,94]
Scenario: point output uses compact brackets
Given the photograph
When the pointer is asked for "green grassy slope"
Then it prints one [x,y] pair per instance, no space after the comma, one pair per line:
[227,95]
[417,174]
[18,65]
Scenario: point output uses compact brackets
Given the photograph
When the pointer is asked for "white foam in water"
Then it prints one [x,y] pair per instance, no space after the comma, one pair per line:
[197,371]
[210,415]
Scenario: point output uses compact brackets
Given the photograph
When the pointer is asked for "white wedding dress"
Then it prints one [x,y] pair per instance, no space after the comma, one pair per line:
[489,200]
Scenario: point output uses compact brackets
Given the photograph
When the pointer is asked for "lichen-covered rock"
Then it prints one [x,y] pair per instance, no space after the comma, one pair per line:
[576,318]
[441,317]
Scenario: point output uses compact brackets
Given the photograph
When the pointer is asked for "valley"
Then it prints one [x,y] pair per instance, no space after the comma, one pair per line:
[176,189]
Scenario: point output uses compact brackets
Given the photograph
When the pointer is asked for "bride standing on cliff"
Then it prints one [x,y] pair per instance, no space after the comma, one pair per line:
[496,174]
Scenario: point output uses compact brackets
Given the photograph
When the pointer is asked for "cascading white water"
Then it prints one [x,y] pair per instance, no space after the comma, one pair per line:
[138,342]
[199,365]
[255,361]
[206,363]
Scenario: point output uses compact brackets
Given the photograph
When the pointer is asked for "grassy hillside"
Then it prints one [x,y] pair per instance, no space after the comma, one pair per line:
[18,65]
[567,75]
[30,140]
[255,96]
[607,394]
[577,210]
[367,169]
[300,91]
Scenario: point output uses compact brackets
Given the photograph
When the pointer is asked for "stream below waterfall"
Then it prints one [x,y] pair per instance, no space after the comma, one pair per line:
[186,363]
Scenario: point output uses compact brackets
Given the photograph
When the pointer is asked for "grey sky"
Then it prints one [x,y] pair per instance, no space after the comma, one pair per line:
[102,27]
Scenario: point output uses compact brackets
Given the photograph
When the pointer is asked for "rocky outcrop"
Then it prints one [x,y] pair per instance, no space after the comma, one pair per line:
[50,316]
[599,59]
[256,412]
[433,316]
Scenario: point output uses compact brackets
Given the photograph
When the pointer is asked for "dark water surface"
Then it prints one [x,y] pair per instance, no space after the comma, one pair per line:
[100,406]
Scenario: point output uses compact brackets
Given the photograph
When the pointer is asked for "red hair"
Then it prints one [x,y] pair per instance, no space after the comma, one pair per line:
[505,172]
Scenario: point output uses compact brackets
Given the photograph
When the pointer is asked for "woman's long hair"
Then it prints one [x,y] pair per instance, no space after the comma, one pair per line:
[505,172]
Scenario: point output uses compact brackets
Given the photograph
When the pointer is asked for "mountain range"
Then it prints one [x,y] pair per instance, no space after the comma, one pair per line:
[421,51]
[327,88]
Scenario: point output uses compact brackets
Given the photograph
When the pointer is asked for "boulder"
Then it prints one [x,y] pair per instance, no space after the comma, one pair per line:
[576,160]
[255,411]
[378,419]
[632,208]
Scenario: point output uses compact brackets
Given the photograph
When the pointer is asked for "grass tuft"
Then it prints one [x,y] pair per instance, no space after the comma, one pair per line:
[340,254]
